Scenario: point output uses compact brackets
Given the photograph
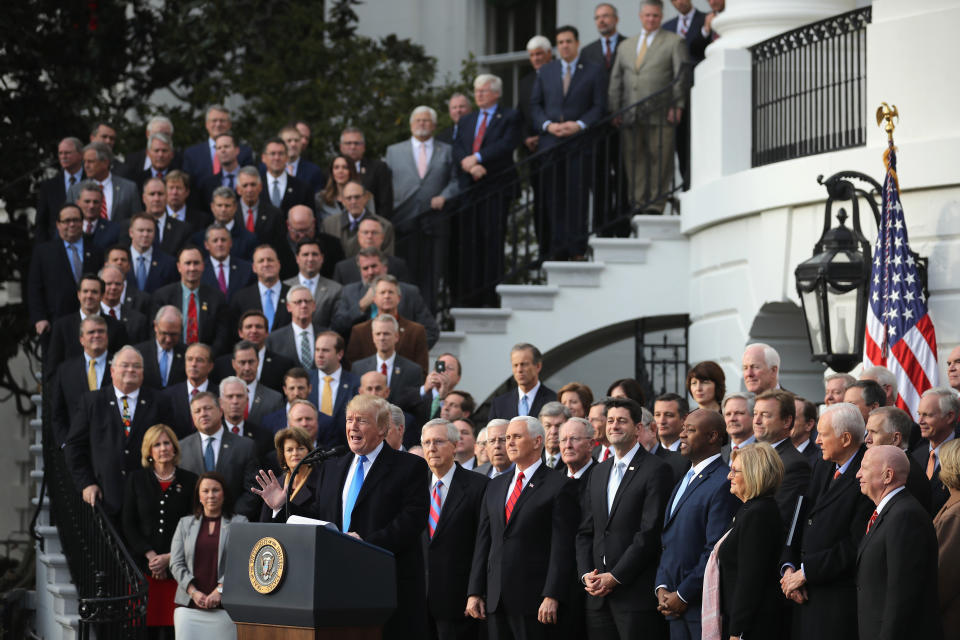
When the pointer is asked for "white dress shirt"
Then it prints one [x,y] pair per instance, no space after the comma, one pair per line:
[527,474]
[428,144]
[371,458]
[217,439]
[389,362]
[131,401]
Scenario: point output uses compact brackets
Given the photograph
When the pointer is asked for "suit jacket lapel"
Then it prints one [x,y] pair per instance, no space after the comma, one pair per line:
[695,482]
[532,486]
[378,470]
[628,474]
[450,504]
[870,535]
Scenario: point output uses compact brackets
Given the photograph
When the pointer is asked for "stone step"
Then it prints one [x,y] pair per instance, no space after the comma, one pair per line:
[64,598]
[57,570]
[481,320]
[658,227]
[449,342]
[574,274]
[527,297]
[620,250]
[69,626]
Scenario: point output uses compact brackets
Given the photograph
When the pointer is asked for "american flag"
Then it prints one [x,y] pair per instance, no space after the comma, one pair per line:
[900,334]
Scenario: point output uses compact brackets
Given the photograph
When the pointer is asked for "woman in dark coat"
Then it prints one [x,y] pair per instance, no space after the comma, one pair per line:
[292,444]
[156,497]
[748,556]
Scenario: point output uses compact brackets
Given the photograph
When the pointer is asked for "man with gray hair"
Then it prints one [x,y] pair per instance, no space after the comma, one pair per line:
[937,412]
[483,149]
[576,444]
[761,368]
[551,416]
[521,581]
[737,409]
[163,356]
[52,192]
[397,426]
[223,205]
[893,426]
[457,106]
[121,196]
[160,152]
[136,162]
[603,50]
[953,369]
[835,385]
[496,449]
[456,497]
[865,395]
[540,52]
[819,566]
[886,379]
[200,160]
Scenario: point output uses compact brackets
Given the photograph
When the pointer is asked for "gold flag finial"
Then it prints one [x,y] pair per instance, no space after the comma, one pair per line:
[888,113]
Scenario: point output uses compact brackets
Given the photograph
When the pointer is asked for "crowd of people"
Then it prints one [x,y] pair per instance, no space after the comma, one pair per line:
[206,322]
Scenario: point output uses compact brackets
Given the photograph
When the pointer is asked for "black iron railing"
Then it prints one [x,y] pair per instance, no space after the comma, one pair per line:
[661,355]
[111,589]
[809,89]
[546,206]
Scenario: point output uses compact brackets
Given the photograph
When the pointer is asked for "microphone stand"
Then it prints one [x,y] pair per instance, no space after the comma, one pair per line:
[315,457]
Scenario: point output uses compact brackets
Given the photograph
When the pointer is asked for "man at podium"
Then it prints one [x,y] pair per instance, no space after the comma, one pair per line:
[377,495]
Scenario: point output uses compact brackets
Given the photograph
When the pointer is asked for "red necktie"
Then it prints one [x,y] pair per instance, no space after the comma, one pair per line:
[222,280]
[193,392]
[193,328]
[103,202]
[517,488]
[113,313]
[246,412]
[91,225]
[836,474]
[478,139]
[216,163]
[873,519]
[606,453]
[383,368]
[609,56]
[236,429]
[250,220]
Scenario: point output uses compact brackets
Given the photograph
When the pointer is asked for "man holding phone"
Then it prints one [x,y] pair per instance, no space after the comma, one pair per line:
[442,380]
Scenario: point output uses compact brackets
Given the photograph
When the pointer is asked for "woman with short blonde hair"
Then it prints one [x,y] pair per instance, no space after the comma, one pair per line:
[947,526]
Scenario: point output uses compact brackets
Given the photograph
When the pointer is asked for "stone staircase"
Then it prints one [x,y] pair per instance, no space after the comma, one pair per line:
[55,600]
[628,278]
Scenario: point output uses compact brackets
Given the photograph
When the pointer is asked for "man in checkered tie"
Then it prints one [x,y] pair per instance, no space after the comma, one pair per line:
[523,561]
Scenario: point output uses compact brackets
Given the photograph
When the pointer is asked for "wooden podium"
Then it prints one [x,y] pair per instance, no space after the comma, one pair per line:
[330,585]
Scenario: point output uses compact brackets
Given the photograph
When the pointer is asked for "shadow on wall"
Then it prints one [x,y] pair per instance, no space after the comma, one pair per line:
[781,325]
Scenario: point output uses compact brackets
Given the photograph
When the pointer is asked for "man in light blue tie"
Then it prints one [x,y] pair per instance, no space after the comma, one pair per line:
[530,395]
[378,495]
[700,511]
[618,543]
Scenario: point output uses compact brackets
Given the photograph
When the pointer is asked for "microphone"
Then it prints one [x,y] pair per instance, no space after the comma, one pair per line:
[319,455]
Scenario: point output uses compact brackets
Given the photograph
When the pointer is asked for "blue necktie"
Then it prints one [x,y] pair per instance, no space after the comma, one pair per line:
[142,273]
[208,462]
[683,487]
[524,406]
[353,493]
[76,264]
[268,309]
[163,367]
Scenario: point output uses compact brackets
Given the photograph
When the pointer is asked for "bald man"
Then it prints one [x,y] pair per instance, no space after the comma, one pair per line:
[897,559]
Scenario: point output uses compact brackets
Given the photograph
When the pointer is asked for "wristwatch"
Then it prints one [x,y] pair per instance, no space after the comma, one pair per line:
[220,589]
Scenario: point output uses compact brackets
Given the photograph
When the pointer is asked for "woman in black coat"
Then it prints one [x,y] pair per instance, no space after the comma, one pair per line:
[292,444]
[750,595]
[156,497]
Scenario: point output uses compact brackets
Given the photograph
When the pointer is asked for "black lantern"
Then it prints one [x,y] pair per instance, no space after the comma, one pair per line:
[834,284]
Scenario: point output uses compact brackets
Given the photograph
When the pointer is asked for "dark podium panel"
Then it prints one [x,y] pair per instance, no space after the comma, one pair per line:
[331,581]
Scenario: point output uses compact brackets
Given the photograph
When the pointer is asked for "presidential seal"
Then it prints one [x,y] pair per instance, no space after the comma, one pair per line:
[266,565]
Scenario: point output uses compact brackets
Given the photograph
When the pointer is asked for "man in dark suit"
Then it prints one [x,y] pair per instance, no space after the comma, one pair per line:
[540,52]
[618,542]
[224,207]
[301,224]
[52,192]
[233,403]
[163,355]
[161,153]
[101,233]
[332,387]
[151,268]
[310,260]
[484,149]
[523,560]
[88,371]
[64,334]
[122,196]
[135,162]
[198,363]
[228,154]
[603,50]
[568,96]
[937,417]
[172,234]
[345,225]
[457,106]
[271,366]
[135,323]
[498,462]
[404,377]
[196,216]
[698,513]
[773,416]
[378,495]
[221,270]
[268,295]
[55,270]
[301,168]
[576,451]
[213,448]
[374,174]
[296,386]
[295,341]
[280,188]
[892,425]
[103,444]
[370,235]
[203,308]
[256,213]
[897,558]
[530,395]
[803,435]
[356,298]
[648,440]
[456,497]
[200,160]
[411,337]
[262,400]
[819,566]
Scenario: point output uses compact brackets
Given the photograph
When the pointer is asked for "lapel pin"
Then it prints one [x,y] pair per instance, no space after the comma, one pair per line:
[630,468]
[154,263]
[203,306]
[112,403]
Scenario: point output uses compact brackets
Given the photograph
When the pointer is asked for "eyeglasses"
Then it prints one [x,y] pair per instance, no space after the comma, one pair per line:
[434,443]
[734,472]
[70,220]
[351,143]
[572,439]
[128,365]
[350,198]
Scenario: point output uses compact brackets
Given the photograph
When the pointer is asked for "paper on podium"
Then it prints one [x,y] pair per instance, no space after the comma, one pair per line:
[311,521]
